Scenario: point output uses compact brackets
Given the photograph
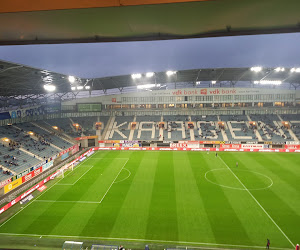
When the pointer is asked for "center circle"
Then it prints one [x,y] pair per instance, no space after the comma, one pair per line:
[252,180]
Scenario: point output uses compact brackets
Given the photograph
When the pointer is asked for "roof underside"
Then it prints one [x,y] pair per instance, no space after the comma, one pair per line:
[18,79]
[126,20]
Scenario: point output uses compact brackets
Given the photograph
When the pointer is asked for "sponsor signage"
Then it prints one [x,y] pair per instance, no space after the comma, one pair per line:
[32,174]
[47,165]
[293,142]
[74,148]
[292,147]
[12,185]
[178,145]
[86,137]
[254,146]
[3,183]
[42,188]
[65,156]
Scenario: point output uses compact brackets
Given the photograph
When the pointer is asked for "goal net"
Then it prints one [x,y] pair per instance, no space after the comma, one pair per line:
[72,245]
[106,247]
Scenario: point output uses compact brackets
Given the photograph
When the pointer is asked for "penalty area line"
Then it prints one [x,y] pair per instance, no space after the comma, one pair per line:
[36,198]
[142,240]
[113,182]
[257,202]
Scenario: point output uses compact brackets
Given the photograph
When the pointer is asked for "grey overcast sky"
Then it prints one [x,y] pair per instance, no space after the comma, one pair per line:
[108,59]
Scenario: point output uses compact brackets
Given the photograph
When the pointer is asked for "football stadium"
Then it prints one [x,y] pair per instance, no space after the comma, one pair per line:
[200,158]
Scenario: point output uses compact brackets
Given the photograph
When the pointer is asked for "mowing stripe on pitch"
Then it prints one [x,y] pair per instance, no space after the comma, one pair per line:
[257,201]
[142,240]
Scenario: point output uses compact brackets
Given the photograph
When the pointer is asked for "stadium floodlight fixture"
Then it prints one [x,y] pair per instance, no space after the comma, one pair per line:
[170,72]
[297,70]
[79,87]
[71,79]
[87,87]
[49,87]
[148,86]
[73,88]
[136,76]
[279,69]
[213,82]
[149,74]
[256,69]
[271,82]
[198,83]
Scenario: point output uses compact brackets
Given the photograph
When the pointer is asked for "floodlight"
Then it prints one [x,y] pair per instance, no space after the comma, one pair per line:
[274,82]
[71,79]
[147,86]
[170,72]
[213,82]
[80,87]
[149,74]
[49,87]
[279,69]
[73,88]
[136,76]
[297,70]
[87,87]
[256,69]
[198,83]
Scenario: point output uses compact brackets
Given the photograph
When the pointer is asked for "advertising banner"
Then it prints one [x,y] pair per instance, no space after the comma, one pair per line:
[3,183]
[65,156]
[74,148]
[86,137]
[292,146]
[47,165]
[12,185]
[178,145]
[254,146]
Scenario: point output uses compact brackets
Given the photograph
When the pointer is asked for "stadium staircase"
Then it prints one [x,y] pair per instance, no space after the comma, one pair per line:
[225,138]
[132,130]
[109,126]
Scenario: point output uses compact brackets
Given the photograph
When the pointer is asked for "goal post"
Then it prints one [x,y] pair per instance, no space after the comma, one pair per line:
[72,245]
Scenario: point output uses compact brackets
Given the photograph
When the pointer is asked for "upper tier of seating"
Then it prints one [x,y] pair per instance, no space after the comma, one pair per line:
[237,128]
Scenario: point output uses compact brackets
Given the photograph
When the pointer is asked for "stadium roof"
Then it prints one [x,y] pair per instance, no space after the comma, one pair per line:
[56,21]
[16,79]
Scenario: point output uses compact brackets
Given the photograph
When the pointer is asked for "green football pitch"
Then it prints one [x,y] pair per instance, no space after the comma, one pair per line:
[168,199]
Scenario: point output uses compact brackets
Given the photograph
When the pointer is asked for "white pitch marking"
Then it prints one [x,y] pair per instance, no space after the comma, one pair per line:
[263,188]
[257,202]
[37,197]
[144,240]
[125,177]
[113,182]
[95,202]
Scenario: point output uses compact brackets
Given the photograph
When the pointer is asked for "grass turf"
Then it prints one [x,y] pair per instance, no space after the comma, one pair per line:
[168,198]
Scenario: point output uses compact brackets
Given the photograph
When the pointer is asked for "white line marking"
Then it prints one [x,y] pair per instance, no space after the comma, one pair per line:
[82,175]
[95,202]
[257,202]
[113,182]
[142,240]
[65,184]
[37,197]
[125,177]
[225,186]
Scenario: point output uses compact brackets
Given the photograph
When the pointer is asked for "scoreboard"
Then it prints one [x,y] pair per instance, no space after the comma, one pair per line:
[89,107]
